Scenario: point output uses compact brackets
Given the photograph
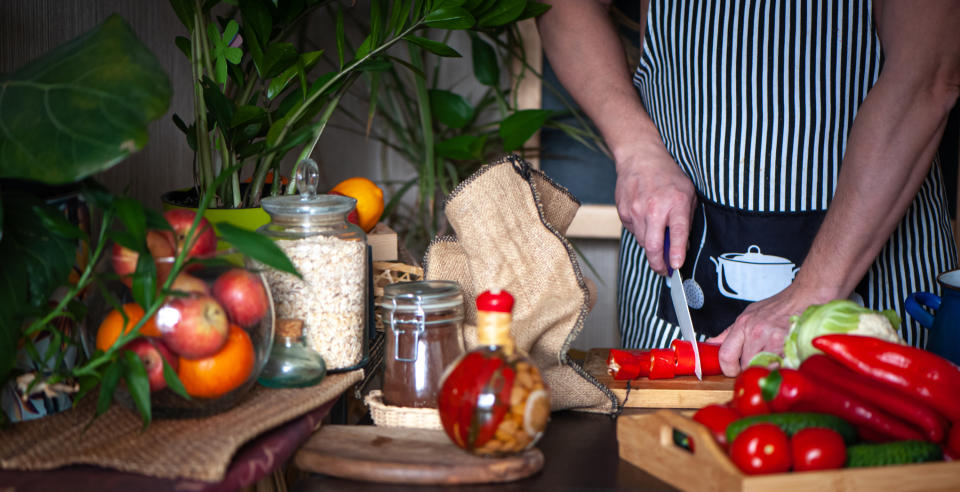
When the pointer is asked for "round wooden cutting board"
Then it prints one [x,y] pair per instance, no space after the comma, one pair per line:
[408,456]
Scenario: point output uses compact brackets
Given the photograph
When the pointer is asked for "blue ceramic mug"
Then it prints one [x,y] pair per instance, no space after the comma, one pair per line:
[943,327]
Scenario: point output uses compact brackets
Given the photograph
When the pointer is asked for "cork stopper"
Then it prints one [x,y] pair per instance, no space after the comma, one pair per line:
[289,328]
[494,319]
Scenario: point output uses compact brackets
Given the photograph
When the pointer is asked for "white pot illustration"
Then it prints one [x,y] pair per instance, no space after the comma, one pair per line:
[752,276]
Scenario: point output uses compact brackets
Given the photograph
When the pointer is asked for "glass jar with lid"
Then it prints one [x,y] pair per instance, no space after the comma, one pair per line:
[330,253]
[422,323]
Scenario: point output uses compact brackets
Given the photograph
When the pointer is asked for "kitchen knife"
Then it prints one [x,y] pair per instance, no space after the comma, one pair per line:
[680,306]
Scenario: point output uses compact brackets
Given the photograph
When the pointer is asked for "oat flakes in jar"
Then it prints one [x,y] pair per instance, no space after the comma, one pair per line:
[331,255]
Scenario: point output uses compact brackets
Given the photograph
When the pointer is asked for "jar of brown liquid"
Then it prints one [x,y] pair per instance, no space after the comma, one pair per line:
[422,321]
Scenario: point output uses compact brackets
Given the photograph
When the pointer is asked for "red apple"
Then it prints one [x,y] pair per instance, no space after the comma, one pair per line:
[124,260]
[189,284]
[242,294]
[353,216]
[152,352]
[205,240]
[194,327]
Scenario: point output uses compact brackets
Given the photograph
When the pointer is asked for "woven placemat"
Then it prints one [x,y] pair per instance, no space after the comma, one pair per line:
[198,449]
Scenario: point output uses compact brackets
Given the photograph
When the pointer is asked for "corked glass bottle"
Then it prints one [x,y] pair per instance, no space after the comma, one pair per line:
[493,400]
[292,364]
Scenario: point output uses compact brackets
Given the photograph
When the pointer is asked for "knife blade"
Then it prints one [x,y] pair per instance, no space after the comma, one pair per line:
[679,299]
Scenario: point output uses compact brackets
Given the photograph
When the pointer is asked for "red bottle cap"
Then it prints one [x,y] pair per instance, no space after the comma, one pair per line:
[496,300]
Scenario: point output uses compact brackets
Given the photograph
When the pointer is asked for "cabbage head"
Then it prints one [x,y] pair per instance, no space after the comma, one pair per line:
[837,316]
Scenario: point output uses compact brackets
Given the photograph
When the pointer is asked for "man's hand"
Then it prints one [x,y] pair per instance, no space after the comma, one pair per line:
[761,327]
[652,193]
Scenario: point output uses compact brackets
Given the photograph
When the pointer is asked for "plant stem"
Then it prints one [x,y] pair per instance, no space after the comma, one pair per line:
[256,186]
[428,177]
[204,161]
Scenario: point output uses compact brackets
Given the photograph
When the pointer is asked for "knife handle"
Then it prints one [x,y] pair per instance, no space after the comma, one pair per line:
[666,250]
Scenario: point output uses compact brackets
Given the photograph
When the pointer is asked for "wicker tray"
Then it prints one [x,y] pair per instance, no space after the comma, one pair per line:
[390,416]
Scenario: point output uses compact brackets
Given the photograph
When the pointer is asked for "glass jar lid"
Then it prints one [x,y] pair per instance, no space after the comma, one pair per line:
[427,295]
[308,203]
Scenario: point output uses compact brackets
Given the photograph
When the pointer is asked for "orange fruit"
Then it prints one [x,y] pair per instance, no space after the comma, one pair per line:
[369,198]
[113,324]
[217,375]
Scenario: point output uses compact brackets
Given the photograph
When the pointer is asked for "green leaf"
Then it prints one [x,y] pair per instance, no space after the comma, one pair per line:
[57,223]
[184,45]
[256,15]
[82,107]
[37,259]
[450,108]
[485,66]
[533,9]
[520,126]
[258,247]
[377,65]
[341,38]
[108,385]
[505,12]
[248,114]
[144,285]
[185,11]
[274,132]
[462,147]
[450,18]
[279,83]
[278,57]
[434,47]
[131,213]
[173,381]
[399,16]
[138,384]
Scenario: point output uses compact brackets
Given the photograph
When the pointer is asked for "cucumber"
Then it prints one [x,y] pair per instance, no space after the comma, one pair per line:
[791,422]
[892,453]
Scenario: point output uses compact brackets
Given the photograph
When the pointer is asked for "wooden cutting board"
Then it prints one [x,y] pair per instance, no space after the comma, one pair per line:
[679,392]
[406,456]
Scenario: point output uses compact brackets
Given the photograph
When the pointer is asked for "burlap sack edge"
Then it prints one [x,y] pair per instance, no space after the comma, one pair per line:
[523,168]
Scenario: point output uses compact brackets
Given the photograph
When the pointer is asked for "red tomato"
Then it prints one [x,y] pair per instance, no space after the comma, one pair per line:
[816,448]
[761,448]
[747,395]
[716,417]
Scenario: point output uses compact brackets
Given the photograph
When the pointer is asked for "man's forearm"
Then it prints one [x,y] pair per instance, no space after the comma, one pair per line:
[585,52]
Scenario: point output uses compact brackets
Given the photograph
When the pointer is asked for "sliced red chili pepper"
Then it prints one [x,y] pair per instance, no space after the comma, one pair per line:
[915,372]
[820,368]
[663,364]
[789,389]
[628,363]
[686,362]
[496,393]
[748,394]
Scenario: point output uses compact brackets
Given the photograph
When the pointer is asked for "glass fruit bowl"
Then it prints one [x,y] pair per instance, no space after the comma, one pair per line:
[214,328]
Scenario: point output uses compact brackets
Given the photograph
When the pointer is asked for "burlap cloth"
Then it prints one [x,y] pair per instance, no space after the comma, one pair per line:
[197,449]
[510,221]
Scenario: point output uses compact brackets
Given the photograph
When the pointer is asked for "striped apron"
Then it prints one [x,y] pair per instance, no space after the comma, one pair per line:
[754,100]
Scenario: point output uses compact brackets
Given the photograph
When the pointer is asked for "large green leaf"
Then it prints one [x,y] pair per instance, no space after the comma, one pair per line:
[485,66]
[520,126]
[462,147]
[82,107]
[450,18]
[138,384]
[450,108]
[504,12]
[257,246]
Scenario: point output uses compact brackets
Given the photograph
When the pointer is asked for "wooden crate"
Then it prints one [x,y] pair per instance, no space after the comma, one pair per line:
[647,441]
[680,392]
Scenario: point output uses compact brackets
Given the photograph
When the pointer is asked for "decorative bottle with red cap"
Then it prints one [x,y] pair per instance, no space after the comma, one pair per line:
[492,400]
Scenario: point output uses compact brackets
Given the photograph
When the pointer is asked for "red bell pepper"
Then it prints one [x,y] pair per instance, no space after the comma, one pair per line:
[820,368]
[686,362]
[628,364]
[912,371]
[663,364]
[789,389]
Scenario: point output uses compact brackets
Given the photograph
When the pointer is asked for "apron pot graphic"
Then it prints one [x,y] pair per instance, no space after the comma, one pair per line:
[752,276]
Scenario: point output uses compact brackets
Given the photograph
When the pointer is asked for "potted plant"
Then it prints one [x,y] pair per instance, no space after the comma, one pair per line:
[99,92]
[259,99]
